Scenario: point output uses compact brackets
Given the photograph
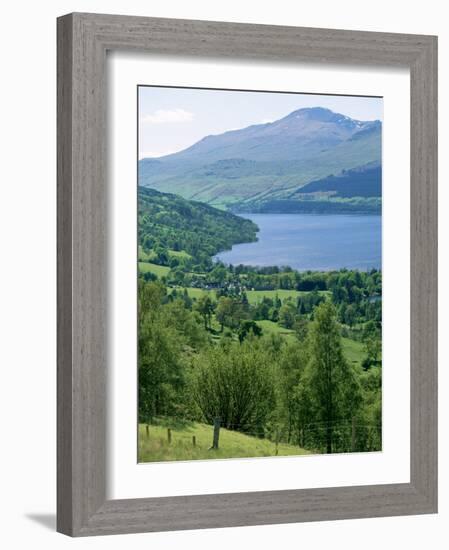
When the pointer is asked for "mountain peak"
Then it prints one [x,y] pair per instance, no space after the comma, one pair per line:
[320,114]
[312,111]
[302,134]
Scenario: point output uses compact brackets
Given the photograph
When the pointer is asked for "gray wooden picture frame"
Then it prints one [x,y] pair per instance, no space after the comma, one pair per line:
[83,40]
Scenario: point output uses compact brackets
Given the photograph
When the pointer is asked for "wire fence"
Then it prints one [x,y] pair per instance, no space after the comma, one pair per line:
[337,436]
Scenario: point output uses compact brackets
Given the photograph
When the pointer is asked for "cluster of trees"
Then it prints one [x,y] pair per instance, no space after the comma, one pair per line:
[285,278]
[301,391]
[231,308]
[356,294]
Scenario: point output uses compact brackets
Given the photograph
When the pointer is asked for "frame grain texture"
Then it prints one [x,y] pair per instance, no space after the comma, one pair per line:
[83,40]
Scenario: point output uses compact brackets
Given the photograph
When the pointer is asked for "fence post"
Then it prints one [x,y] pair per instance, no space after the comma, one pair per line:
[147,429]
[353,434]
[193,440]
[169,435]
[217,421]
[277,441]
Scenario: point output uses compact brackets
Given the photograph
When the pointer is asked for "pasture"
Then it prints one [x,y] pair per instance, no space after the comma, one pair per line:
[155,447]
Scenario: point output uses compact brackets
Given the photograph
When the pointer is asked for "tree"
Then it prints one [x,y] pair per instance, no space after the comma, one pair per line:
[370,330]
[187,299]
[301,307]
[247,327]
[262,309]
[331,383]
[188,324]
[150,298]
[235,383]
[224,310]
[162,255]
[287,315]
[274,314]
[160,370]
[218,274]
[350,315]
[373,348]
[160,366]
[205,307]
[292,364]
[301,328]
[230,312]
[177,275]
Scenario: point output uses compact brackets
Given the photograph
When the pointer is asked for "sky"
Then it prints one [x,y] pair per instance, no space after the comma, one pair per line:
[172,119]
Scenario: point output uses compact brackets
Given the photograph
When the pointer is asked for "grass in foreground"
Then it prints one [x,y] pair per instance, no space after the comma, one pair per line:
[156,447]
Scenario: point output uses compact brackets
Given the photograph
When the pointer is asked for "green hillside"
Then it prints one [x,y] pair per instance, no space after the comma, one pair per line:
[155,446]
[361,182]
[175,231]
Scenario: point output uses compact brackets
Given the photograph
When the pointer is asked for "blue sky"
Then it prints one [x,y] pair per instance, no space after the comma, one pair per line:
[171,119]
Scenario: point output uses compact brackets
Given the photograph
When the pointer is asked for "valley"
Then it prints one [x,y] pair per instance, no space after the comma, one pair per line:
[204,323]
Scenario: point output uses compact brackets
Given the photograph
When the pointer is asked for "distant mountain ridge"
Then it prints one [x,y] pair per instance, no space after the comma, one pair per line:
[364,181]
[268,161]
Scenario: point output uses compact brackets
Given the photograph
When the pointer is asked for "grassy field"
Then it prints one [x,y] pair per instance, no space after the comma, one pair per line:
[270,327]
[255,296]
[197,292]
[179,254]
[156,447]
[159,270]
[354,351]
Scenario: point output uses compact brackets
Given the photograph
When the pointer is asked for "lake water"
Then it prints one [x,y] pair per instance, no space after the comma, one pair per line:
[311,241]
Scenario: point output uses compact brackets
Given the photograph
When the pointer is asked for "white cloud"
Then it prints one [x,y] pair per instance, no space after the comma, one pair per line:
[162,116]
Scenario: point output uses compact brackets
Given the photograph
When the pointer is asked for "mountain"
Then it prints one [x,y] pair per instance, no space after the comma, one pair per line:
[268,161]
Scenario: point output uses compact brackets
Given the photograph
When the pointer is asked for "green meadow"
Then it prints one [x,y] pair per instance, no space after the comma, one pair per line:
[154,446]
[158,270]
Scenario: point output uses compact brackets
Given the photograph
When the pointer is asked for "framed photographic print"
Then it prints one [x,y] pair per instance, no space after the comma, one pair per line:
[246,274]
[260,292]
